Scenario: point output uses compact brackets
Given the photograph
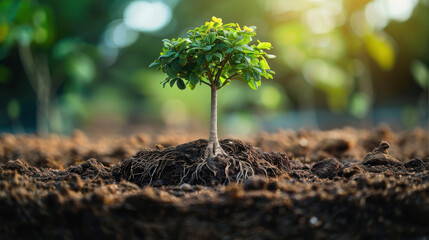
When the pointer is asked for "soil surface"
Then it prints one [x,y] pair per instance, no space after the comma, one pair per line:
[307,184]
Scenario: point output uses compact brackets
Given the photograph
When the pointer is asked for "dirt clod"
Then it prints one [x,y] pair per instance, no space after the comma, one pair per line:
[352,170]
[416,164]
[255,183]
[328,168]
[379,160]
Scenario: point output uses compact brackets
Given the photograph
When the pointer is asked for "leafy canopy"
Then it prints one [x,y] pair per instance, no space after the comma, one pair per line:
[214,54]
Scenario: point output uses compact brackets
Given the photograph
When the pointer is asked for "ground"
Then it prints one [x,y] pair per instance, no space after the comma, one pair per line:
[308,184]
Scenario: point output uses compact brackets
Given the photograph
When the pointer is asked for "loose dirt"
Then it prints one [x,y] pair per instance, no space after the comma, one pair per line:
[339,184]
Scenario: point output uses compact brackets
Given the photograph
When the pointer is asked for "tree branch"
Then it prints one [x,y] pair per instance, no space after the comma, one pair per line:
[235,74]
[209,72]
[221,67]
[226,80]
[206,83]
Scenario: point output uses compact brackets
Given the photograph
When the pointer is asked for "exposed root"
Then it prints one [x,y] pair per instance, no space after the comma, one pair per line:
[213,149]
[231,160]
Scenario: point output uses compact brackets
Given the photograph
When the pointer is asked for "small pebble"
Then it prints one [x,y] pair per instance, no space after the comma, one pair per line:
[186,187]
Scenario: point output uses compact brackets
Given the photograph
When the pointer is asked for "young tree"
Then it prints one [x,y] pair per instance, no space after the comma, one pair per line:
[214,55]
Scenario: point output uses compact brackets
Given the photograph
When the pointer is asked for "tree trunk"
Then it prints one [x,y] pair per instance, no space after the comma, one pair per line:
[213,146]
[213,116]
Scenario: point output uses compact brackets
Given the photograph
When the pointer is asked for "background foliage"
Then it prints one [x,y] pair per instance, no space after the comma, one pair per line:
[84,64]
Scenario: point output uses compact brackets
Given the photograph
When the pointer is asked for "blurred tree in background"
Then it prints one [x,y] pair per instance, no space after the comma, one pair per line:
[83,64]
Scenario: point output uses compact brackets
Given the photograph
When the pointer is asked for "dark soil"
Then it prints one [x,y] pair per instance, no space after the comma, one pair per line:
[185,164]
[339,184]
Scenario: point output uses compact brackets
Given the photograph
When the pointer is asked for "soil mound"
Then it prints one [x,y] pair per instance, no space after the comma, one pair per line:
[328,168]
[91,169]
[379,160]
[185,164]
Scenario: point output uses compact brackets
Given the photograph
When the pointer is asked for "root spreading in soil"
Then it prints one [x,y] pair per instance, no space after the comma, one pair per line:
[186,164]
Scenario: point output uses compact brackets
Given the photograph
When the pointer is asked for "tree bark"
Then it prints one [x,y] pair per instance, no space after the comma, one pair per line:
[213,146]
[213,116]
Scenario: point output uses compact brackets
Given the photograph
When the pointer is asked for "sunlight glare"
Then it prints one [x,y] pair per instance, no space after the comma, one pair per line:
[379,12]
[147,16]
[399,10]
[319,20]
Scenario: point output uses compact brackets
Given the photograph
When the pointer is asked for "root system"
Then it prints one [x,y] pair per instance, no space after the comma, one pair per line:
[186,164]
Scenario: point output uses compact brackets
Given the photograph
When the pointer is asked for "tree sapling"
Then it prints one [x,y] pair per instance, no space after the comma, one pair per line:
[214,55]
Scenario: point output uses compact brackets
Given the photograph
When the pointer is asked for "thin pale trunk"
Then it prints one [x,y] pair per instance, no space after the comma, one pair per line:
[213,146]
[37,71]
[213,116]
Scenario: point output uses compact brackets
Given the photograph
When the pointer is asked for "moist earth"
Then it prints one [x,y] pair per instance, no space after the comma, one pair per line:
[307,184]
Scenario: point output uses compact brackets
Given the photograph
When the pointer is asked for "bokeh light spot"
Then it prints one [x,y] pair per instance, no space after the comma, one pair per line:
[360,105]
[118,35]
[399,10]
[13,109]
[271,97]
[379,12]
[319,21]
[147,16]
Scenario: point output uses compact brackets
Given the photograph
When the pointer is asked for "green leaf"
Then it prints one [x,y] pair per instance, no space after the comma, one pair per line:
[191,86]
[167,55]
[264,45]
[194,79]
[167,43]
[256,76]
[229,25]
[246,76]
[264,64]
[238,39]
[220,47]
[165,82]
[200,60]
[208,48]
[171,73]
[246,47]
[218,55]
[172,82]
[176,66]
[241,66]
[252,84]
[209,57]
[181,84]
[246,39]
[270,71]
[257,69]
[230,50]
[183,61]
[154,64]
[211,37]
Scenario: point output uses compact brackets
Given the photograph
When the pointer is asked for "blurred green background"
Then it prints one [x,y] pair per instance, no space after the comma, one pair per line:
[83,64]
